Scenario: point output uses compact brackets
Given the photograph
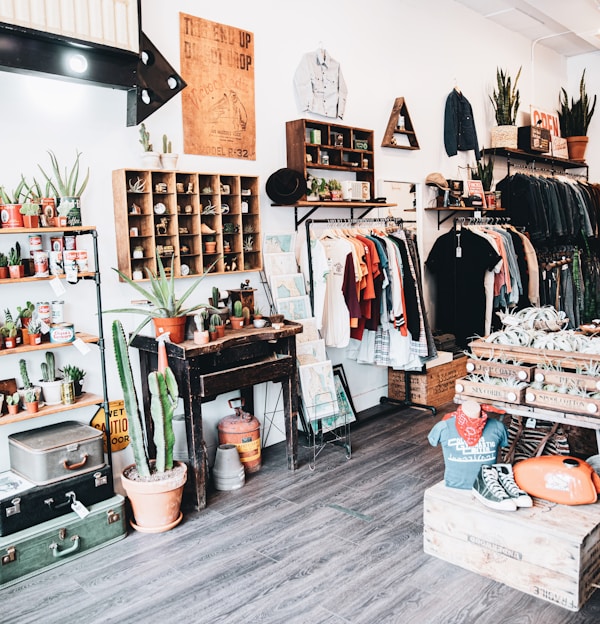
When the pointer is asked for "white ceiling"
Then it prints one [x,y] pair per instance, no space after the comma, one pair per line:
[570,27]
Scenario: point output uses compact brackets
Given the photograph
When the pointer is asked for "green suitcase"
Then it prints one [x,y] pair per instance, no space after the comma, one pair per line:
[52,543]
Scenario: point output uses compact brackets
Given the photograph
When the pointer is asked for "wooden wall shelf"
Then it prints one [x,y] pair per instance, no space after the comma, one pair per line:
[174,213]
[393,129]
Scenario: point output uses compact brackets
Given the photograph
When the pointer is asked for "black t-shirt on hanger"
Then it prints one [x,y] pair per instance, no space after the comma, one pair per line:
[459,281]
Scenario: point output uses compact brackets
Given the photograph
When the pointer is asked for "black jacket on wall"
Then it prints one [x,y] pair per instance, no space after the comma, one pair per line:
[459,126]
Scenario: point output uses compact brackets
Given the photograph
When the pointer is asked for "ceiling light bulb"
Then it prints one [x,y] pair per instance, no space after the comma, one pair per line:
[78,63]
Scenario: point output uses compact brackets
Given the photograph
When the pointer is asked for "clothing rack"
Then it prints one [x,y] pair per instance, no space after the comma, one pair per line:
[384,222]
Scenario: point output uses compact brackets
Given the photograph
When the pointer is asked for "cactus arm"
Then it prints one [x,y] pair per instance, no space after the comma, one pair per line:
[51,366]
[136,432]
[164,397]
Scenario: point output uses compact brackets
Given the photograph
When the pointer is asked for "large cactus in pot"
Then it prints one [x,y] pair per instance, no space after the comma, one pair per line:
[163,401]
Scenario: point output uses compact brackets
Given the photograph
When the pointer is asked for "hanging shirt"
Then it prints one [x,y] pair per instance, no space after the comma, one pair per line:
[320,84]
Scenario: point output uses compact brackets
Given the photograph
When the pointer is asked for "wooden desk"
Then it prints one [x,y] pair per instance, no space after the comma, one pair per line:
[240,360]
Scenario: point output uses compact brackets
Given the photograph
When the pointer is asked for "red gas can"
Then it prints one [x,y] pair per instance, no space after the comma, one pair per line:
[243,430]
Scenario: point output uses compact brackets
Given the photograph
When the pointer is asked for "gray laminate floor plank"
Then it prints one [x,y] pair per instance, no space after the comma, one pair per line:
[338,544]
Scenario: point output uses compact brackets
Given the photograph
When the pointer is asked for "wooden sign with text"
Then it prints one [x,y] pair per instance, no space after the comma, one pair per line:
[217,62]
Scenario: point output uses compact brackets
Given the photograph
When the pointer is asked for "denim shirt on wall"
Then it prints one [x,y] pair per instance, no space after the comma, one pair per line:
[320,84]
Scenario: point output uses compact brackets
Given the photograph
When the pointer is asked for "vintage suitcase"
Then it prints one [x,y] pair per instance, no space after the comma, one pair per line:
[56,452]
[23,504]
[57,541]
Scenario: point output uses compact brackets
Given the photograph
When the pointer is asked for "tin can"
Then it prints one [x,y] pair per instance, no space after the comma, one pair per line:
[57,310]
[56,262]
[62,333]
[40,263]
[70,242]
[35,244]
[67,392]
[57,243]
[43,311]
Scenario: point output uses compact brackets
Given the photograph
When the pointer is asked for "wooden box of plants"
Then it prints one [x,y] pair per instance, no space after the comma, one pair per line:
[501,368]
[488,388]
[573,400]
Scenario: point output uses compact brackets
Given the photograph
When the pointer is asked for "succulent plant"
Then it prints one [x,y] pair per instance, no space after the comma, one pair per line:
[145,138]
[237,308]
[24,374]
[65,184]
[49,367]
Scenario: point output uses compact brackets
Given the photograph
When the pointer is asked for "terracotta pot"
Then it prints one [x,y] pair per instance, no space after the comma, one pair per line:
[201,337]
[220,330]
[10,216]
[212,336]
[31,221]
[13,409]
[156,504]
[35,339]
[10,342]
[210,247]
[237,322]
[577,146]
[4,274]
[33,407]
[16,271]
[175,327]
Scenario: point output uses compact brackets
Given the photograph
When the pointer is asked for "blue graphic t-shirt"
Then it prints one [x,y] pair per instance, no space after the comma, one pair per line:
[463,461]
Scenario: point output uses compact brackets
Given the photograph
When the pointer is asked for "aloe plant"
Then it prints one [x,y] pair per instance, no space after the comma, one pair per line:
[574,118]
[506,99]
[14,197]
[65,184]
[164,397]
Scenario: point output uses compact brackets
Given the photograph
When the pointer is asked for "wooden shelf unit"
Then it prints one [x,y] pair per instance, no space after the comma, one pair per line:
[392,128]
[87,398]
[225,203]
[305,150]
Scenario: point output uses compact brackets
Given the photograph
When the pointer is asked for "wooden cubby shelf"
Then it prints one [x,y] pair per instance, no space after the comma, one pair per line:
[173,214]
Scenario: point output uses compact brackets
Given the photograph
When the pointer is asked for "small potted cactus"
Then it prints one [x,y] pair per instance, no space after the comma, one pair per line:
[13,403]
[31,401]
[168,159]
[237,318]
[49,382]
[201,334]
[150,158]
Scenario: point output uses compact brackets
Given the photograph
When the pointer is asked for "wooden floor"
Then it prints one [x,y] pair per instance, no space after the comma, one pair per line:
[341,543]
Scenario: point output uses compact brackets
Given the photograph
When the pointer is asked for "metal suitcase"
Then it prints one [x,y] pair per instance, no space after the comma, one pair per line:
[56,452]
[52,543]
[23,504]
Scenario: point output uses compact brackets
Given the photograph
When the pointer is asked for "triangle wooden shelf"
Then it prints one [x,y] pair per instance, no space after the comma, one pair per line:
[389,138]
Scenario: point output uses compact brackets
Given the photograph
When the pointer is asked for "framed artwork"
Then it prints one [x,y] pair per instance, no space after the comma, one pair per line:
[278,243]
[318,390]
[347,409]
[311,351]
[294,308]
[280,263]
[284,286]
[309,331]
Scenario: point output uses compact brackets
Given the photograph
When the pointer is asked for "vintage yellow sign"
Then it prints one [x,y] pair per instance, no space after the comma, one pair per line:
[119,426]
[217,62]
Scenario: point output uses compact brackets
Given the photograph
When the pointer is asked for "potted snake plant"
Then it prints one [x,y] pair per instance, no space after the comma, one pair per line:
[505,99]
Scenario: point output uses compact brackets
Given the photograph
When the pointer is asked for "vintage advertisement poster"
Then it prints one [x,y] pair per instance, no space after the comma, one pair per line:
[217,62]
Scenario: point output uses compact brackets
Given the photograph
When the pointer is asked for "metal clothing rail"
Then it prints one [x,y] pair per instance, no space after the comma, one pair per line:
[383,222]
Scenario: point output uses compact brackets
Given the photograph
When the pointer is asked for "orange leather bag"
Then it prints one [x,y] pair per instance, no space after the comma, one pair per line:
[558,479]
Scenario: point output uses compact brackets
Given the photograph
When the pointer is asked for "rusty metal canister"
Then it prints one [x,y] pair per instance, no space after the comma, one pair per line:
[243,430]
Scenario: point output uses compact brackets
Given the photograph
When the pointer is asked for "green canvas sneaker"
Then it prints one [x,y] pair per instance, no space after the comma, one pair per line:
[487,490]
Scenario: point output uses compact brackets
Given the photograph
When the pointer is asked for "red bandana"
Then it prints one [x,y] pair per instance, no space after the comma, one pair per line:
[470,429]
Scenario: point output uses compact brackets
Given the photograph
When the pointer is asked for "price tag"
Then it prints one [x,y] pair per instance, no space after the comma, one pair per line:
[81,346]
[459,252]
[80,509]
[44,327]
[57,286]
[530,423]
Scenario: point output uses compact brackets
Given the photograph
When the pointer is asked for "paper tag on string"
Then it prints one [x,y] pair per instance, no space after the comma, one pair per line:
[57,286]
[81,346]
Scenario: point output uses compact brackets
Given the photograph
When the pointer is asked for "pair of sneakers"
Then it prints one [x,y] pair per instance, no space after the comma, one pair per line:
[495,487]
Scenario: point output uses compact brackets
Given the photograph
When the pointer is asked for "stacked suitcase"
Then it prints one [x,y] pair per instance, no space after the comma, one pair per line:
[57,501]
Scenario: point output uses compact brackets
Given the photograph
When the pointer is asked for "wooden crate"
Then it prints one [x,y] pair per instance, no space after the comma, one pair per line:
[489,392]
[549,551]
[563,378]
[433,387]
[497,369]
[562,402]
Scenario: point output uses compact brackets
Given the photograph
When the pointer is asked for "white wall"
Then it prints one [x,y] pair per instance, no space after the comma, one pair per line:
[418,49]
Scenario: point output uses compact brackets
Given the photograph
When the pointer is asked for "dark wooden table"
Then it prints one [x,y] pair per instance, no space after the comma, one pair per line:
[240,360]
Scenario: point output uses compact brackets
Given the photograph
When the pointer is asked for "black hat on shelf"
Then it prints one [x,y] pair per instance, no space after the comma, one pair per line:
[286,186]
